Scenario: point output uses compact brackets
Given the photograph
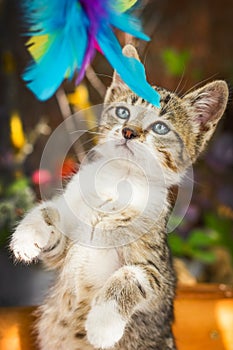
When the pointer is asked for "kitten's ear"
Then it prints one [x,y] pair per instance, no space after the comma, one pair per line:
[205,108]
[117,83]
[129,51]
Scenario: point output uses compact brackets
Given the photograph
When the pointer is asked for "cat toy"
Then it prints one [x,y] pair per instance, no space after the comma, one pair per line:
[64,36]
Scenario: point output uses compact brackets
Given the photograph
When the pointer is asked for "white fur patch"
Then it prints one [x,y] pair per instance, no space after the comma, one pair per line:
[104,325]
[30,237]
[139,274]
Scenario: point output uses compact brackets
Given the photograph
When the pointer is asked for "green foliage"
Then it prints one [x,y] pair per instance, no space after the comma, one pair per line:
[174,61]
[196,246]
[223,227]
[199,243]
[16,199]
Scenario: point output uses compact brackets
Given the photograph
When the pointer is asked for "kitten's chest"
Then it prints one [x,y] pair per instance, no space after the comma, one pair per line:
[113,187]
[112,206]
[90,267]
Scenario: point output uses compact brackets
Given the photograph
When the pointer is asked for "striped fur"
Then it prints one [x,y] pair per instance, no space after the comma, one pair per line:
[120,297]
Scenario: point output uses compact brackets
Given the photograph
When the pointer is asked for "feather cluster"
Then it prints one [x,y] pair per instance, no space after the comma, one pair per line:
[64,35]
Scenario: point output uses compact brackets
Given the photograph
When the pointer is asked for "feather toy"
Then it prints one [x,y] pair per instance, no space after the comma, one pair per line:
[65,35]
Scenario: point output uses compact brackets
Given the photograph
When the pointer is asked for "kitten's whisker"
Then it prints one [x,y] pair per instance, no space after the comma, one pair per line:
[87,132]
[90,140]
[180,81]
[182,88]
[185,176]
[77,119]
[199,83]
[145,55]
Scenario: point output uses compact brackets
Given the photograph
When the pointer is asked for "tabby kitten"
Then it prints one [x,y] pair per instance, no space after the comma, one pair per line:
[116,289]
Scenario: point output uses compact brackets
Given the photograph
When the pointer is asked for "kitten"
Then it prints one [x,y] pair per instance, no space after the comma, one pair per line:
[116,288]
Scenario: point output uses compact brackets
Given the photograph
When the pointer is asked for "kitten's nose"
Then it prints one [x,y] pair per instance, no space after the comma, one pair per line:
[129,133]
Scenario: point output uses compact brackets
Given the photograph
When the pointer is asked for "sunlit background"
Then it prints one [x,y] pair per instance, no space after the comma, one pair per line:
[191,43]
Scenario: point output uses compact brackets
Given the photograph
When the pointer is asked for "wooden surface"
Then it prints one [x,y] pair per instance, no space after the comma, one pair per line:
[204,318]
[204,321]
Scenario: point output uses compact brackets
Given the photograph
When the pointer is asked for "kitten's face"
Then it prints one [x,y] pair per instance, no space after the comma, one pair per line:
[131,122]
[175,133]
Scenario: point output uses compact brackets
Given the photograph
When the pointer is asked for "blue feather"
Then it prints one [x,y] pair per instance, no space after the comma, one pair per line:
[63,57]
[67,25]
[128,24]
[45,78]
[130,69]
[45,16]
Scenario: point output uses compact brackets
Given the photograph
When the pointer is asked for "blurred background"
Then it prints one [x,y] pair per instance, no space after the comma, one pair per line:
[191,44]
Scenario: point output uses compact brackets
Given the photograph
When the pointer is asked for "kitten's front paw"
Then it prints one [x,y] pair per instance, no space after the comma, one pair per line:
[104,325]
[27,244]
[31,236]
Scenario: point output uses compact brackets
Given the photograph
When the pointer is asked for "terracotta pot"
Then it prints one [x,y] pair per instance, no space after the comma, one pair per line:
[204,320]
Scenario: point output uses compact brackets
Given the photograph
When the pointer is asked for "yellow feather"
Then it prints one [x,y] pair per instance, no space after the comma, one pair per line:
[37,46]
[124,5]
[17,135]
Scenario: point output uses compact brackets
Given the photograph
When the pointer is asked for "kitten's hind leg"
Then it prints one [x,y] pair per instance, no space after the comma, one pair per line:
[125,291]
[36,233]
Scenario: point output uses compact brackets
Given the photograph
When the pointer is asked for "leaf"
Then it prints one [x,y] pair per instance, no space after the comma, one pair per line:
[216,223]
[224,228]
[207,257]
[201,238]
[174,61]
[18,186]
[176,244]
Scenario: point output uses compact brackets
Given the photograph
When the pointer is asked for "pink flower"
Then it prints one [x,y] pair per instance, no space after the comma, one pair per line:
[41,177]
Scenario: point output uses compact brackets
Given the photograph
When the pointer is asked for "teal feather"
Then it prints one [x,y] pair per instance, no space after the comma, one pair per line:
[131,71]
[70,30]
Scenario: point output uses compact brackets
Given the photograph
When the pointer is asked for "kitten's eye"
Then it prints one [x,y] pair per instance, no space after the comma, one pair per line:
[122,112]
[160,128]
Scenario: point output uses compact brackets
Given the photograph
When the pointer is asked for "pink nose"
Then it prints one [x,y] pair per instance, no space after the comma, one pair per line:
[129,133]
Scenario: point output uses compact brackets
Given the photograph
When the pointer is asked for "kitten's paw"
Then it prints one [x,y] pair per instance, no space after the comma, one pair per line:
[104,325]
[31,236]
[27,244]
